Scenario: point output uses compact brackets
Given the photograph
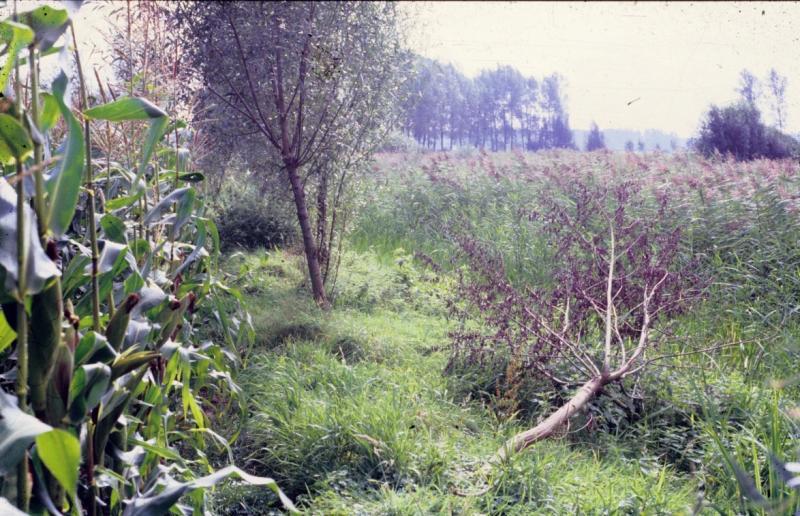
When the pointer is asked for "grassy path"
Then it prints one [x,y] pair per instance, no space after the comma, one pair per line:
[351,413]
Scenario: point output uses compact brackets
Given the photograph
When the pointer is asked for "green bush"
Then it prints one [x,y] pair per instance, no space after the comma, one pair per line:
[738,130]
[249,218]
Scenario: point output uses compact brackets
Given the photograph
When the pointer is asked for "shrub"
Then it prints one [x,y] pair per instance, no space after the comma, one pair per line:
[249,218]
[618,254]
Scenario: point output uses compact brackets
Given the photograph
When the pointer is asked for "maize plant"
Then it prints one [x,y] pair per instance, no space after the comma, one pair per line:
[105,267]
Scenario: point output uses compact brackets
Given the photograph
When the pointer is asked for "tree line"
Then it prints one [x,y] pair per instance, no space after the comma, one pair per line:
[500,109]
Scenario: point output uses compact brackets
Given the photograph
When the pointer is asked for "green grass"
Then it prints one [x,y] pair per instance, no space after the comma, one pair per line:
[350,411]
[353,413]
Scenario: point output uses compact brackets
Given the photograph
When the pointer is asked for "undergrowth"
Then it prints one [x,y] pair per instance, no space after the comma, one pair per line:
[352,413]
[365,410]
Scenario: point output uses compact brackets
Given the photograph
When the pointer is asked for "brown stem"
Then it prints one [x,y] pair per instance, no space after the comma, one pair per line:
[323,251]
[23,475]
[92,494]
[317,286]
[33,66]
[89,191]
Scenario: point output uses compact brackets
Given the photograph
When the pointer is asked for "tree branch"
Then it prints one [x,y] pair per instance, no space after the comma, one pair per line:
[301,85]
[246,67]
[609,303]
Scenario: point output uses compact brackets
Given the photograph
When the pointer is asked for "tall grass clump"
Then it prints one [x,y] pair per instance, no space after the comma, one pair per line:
[328,417]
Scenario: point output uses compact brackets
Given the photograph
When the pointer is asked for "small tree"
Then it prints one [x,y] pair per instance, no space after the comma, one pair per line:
[595,140]
[629,147]
[300,82]
[618,275]
[777,90]
[749,88]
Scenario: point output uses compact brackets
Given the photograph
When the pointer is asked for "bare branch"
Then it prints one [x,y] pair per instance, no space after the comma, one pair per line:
[301,86]
[245,66]
[609,303]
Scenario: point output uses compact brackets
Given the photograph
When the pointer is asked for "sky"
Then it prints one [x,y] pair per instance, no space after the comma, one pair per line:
[672,59]
[91,25]
[675,58]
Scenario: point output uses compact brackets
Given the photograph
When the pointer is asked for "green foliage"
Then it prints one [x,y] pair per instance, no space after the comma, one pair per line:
[129,397]
[737,130]
[48,24]
[108,345]
[38,267]
[327,416]
[15,142]
[65,184]
[350,411]
[125,109]
[17,431]
[384,432]
[250,218]
[60,451]
[365,283]
[17,36]
[751,244]
[710,408]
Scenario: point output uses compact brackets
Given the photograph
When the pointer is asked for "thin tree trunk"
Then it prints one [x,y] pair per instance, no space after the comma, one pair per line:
[323,251]
[317,286]
[337,198]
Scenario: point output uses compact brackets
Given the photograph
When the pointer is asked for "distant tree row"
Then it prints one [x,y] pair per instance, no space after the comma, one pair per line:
[500,109]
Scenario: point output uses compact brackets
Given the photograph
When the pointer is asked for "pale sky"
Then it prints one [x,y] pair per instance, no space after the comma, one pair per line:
[677,57]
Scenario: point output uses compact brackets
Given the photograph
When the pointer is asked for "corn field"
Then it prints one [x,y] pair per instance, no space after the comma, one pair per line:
[115,346]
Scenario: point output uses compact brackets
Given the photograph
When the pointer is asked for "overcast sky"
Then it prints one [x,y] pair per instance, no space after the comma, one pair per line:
[677,58]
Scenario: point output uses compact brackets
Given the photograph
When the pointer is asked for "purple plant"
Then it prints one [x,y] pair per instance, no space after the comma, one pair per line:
[616,271]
